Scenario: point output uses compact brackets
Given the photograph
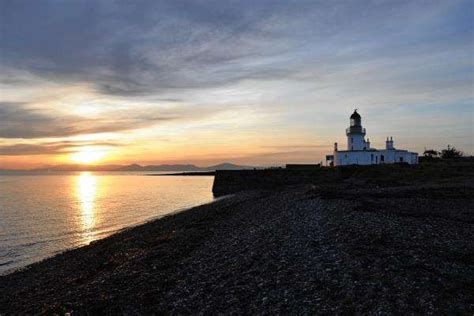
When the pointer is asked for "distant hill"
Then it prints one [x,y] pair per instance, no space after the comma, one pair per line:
[228,166]
[182,167]
[137,167]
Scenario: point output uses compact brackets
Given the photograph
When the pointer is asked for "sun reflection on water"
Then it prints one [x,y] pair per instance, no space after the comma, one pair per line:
[86,188]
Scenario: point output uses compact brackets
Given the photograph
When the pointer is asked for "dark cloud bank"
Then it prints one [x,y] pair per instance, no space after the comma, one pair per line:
[134,48]
[48,147]
[19,120]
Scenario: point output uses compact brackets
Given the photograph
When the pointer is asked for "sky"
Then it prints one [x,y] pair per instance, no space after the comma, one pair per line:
[250,82]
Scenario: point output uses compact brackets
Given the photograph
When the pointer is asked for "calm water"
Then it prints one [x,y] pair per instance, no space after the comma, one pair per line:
[41,215]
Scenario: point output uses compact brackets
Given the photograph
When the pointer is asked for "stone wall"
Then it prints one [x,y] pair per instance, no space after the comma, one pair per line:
[233,181]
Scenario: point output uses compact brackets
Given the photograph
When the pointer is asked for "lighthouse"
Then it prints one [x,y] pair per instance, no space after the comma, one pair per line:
[359,151]
[356,133]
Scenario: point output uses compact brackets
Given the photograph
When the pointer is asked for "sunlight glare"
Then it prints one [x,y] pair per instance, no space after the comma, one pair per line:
[88,155]
[86,192]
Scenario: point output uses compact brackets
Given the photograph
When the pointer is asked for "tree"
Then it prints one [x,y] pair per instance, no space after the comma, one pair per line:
[451,152]
[431,153]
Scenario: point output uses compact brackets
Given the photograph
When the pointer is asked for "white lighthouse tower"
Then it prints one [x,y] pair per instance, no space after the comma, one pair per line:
[356,133]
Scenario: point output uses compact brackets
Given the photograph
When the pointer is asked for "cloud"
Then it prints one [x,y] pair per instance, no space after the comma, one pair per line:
[29,149]
[49,147]
[130,49]
[151,47]
[20,120]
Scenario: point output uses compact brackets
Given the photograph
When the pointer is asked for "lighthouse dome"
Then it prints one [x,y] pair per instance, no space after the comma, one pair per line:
[356,121]
[355,115]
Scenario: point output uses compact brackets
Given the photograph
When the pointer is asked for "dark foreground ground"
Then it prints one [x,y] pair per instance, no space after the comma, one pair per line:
[303,249]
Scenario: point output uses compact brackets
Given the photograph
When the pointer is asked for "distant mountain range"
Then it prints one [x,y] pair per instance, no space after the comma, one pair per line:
[137,167]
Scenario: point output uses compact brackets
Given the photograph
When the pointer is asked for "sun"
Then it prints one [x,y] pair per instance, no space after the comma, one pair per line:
[88,155]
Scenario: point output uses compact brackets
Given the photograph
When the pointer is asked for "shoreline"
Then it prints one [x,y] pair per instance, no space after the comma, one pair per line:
[191,173]
[112,233]
[299,249]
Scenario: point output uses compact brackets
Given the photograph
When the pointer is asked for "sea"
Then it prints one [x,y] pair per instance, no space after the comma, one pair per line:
[45,213]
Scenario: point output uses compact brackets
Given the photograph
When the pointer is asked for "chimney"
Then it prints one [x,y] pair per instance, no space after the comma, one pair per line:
[335,146]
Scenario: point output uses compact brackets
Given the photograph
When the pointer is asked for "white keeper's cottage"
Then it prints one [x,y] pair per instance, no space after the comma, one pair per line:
[359,151]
